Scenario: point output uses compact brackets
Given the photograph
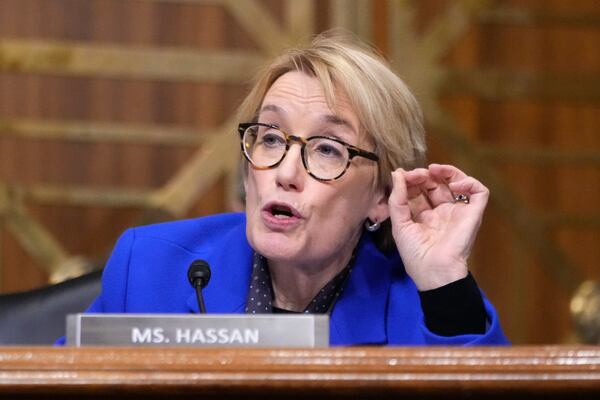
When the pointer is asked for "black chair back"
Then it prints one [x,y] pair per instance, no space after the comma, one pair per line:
[38,317]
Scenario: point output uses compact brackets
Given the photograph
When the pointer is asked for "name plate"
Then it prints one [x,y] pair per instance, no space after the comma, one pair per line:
[206,330]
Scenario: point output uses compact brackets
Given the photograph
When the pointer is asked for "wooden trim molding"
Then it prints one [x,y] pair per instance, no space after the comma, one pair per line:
[419,372]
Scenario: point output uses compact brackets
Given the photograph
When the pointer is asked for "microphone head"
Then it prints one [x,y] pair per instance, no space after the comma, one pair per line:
[199,273]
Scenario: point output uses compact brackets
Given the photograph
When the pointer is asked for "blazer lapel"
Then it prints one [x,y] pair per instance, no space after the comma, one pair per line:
[359,317]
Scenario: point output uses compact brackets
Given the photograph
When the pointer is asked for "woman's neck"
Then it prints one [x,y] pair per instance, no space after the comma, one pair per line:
[296,284]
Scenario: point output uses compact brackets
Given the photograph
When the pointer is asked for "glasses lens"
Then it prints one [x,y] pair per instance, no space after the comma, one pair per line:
[264,146]
[326,158]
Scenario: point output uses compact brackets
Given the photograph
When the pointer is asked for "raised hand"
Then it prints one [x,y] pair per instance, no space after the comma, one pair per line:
[435,214]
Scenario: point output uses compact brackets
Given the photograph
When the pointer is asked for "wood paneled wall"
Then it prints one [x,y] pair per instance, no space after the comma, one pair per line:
[511,91]
[526,93]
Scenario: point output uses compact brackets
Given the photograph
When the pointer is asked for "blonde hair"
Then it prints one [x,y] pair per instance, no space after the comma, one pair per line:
[389,114]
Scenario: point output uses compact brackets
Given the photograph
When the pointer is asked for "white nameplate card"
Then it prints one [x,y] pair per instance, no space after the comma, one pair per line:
[206,330]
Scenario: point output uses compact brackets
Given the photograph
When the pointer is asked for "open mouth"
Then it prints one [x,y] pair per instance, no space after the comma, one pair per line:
[281,211]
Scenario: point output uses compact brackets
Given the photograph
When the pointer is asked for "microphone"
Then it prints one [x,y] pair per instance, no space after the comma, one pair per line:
[199,275]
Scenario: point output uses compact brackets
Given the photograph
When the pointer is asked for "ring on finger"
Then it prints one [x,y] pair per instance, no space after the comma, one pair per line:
[461,198]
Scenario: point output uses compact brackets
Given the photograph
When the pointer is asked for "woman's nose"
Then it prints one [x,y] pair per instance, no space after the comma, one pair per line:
[290,172]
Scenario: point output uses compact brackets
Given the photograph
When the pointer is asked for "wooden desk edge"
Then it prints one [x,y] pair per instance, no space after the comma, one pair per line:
[355,372]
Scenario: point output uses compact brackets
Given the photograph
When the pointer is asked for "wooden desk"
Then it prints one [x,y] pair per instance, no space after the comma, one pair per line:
[353,373]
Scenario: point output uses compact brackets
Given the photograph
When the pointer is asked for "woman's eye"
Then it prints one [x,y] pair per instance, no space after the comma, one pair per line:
[328,150]
[272,139]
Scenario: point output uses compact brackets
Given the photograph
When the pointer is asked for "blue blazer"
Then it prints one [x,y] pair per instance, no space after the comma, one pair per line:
[147,273]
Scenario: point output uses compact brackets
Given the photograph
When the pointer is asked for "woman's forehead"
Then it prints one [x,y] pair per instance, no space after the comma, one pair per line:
[297,92]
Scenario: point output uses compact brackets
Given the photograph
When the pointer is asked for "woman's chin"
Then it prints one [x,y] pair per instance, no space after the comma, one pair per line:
[277,247]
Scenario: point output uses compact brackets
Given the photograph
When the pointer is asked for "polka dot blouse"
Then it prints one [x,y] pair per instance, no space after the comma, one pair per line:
[260,293]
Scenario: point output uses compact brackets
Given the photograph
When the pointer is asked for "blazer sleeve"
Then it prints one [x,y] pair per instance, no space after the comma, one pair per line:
[493,335]
[113,296]
[406,321]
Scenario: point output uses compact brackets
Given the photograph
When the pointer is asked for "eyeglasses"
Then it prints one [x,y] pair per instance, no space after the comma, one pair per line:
[324,158]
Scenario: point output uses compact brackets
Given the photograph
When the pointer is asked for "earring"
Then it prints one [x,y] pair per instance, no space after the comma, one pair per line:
[372,227]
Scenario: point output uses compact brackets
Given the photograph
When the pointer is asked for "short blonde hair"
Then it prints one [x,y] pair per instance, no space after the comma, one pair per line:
[389,114]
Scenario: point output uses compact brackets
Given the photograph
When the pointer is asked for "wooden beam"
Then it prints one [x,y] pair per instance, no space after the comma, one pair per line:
[300,18]
[402,38]
[193,2]
[218,156]
[505,15]
[37,241]
[85,59]
[86,131]
[257,21]
[412,63]
[449,27]
[4,200]
[494,84]
[354,16]
[86,196]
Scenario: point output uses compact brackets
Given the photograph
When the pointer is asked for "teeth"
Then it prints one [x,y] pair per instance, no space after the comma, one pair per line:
[281,212]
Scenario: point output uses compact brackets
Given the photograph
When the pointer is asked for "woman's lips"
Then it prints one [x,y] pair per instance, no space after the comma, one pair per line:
[280,216]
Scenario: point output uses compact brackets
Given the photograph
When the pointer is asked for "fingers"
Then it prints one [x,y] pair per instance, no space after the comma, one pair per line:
[431,183]
[477,192]
[458,182]
[427,188]
[434,234]
[415,179]
[407,197]
[446,173]
[398,200]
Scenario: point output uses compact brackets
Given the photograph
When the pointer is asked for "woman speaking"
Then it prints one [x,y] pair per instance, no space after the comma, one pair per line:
[342,216]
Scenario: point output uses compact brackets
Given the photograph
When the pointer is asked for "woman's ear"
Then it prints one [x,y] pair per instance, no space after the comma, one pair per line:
[380,210]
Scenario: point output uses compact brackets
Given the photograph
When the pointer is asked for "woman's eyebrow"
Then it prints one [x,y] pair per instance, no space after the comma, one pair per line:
[271,107]
[327,119]
[337,120]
